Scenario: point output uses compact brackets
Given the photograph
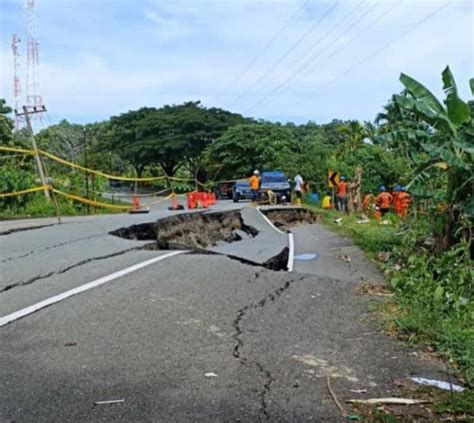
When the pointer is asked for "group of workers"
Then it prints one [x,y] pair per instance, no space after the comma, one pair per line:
[379,205]
[398,201]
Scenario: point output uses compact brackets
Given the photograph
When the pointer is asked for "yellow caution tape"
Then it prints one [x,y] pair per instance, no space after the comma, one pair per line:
[91,202]
[98,172]
[107,175]
[25,191]
[16,150]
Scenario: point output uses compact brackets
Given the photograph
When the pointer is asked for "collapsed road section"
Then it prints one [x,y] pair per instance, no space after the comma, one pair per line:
[285,218]
[205,233]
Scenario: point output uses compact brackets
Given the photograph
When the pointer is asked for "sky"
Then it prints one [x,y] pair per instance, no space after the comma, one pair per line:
[278,60]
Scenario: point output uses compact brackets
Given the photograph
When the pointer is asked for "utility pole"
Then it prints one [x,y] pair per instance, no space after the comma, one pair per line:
[39,164]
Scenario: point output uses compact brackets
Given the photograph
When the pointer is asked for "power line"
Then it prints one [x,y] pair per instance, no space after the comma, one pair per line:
[373,55]
[267,45]
[311,58]
[287,53]
[390,43]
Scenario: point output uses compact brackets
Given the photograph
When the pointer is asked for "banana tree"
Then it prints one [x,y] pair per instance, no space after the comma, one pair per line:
[448,142]
[353,134]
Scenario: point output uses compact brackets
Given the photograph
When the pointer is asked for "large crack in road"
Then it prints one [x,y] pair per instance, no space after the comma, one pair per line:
[66,269]
[239,344]
[51,247]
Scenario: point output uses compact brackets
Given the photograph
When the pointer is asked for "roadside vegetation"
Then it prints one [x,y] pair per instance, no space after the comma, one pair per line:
[417,140]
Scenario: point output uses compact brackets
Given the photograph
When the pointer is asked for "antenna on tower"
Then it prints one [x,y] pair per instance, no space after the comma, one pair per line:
[34,101]
[16,79]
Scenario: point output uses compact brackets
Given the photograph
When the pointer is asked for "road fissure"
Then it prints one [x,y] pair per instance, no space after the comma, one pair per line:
[67,269]
[239,344]
[51,247]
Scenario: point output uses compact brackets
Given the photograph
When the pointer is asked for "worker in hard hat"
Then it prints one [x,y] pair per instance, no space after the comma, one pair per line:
[341,194]
[254,182]
[404,199]
[383,201]
[396,199]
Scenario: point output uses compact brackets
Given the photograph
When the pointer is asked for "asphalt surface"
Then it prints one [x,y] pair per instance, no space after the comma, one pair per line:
[195,337]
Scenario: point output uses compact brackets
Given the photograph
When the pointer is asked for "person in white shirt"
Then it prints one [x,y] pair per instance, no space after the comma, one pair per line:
[298,189]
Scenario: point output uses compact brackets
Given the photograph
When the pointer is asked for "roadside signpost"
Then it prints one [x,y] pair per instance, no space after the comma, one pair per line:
[333,181]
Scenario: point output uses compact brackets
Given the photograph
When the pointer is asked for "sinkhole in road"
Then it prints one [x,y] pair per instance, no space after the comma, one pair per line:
[287,218]
[198,231]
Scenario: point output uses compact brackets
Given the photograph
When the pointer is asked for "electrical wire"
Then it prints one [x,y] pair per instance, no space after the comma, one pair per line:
[287,53]
[313,57]
[267,45]
[369,57]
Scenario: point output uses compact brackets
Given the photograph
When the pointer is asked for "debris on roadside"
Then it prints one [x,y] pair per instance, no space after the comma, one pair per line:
[338,221]
[375,290]
[396,401]
[346,258]
[446,386]
[383,256]
[109,402]
[210,374]
[358,391]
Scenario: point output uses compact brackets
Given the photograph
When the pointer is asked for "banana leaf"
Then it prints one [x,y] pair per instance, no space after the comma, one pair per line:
[420,92]
[458,111]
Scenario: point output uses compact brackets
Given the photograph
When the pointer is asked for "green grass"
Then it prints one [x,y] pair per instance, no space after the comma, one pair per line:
[433,306]
[372,237]
[38,206]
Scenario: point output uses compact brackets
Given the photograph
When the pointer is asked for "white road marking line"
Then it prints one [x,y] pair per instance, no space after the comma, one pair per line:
[60,297]
[291,252]
[269,221]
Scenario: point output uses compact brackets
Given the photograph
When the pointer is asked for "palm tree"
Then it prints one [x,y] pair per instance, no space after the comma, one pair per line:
[353,134]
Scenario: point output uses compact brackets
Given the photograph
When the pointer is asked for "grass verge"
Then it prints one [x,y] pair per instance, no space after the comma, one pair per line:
[432,306]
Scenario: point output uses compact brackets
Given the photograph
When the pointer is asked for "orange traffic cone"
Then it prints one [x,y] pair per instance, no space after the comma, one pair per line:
[174,203]
[135,201]
[136,206]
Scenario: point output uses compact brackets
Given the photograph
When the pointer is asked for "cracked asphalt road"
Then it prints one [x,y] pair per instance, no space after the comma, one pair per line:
[196,337]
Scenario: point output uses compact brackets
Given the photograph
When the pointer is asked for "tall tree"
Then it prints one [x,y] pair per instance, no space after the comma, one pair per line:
[172,136]
[6,124]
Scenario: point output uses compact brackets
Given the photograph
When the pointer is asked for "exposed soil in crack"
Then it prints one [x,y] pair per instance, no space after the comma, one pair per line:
[61,244]
[66,269]
[239,345]
[287,218]
[190,230]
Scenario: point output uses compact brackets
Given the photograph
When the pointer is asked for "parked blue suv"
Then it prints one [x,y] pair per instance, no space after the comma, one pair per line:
[241,191]
[278,183]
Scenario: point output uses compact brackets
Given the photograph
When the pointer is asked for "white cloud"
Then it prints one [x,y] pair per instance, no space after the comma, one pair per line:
[172,51]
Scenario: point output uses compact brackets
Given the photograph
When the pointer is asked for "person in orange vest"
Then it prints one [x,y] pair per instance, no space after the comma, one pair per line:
[368,202]
[396,199]
[404,200]
[383,201]
[341,194]
[254,183]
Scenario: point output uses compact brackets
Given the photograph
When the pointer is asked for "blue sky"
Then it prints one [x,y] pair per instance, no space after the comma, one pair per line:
[286,60]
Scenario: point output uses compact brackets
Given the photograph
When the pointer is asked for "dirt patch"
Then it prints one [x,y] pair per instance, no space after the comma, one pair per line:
[287,218]
[190,230]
